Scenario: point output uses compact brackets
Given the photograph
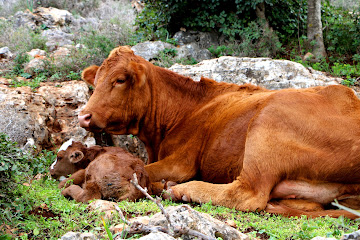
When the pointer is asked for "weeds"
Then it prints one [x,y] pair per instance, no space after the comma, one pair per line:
[35,209]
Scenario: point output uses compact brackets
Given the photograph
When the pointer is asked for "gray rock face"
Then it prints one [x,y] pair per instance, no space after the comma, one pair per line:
[49,17]
[265,72]
[150,50]
[157,236]
[57,38]
[185,216]
[78,236]
[193,51]
[48,117]
[202,39]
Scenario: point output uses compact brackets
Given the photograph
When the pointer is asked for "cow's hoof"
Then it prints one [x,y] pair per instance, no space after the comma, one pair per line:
[174,195]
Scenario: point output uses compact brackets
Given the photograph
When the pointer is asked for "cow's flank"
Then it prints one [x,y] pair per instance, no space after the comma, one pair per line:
[238,141]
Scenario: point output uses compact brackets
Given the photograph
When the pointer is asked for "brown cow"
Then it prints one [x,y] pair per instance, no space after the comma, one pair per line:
[241,142]
[98,172]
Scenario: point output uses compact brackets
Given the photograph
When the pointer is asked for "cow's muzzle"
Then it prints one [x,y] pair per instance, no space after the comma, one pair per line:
[84,120]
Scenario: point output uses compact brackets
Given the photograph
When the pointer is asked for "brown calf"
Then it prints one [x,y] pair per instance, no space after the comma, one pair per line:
[98,172]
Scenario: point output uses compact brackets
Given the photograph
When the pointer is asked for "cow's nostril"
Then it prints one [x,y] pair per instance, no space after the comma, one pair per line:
[84,120]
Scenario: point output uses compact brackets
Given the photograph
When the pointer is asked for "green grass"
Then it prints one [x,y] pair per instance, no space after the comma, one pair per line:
[72,216]
[33,207]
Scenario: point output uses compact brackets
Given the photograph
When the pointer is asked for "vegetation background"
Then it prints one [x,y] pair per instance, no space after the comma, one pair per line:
[31,206]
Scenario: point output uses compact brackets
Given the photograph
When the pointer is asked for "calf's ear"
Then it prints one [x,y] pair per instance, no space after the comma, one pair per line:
[76,156]
[89,73]
[138,71]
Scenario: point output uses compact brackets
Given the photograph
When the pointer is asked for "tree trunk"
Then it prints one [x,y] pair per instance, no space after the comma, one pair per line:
[260,13]
[314,28]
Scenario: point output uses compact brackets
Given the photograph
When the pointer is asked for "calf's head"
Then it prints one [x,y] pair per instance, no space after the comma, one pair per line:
[70,158]
[121,94]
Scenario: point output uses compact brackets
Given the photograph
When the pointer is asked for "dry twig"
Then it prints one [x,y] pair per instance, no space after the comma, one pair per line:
[175,231]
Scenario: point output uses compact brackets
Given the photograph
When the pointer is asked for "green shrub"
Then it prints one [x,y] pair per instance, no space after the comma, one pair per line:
[17,165]
[341,31]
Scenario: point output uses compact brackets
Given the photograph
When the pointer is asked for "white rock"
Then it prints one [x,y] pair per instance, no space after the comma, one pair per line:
[185,216]
[266,72]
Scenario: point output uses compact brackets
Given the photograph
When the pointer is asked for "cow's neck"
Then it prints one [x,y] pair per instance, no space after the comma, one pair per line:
[173,97]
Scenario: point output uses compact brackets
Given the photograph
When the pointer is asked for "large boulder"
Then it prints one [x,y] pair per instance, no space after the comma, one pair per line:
[184,216]
[57,38]
[202,39]
[46,117]
[43,18]
[265,72]
[192,50]
[149,49]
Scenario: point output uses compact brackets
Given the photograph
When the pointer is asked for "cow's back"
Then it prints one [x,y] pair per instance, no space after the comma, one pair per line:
[271,125]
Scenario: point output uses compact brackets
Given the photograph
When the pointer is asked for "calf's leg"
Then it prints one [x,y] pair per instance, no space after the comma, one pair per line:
[78,179]
[89,192]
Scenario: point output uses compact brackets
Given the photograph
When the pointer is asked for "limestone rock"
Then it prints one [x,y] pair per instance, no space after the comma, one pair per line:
[36,53]
[5,53]
[353,235]
[202,39]
[192,50]
[33,65]
[104,206]
[265,72]
[185,216]
[78,236]
[157,236]
[54,17]
[323,238]
[43,17]
[150,50]
[132,144]
[57,38]
[48,116]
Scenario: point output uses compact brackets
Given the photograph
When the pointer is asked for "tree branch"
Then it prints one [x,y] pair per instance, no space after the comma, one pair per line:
[175,231]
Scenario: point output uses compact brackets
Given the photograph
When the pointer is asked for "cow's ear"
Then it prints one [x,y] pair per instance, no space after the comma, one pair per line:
[76,156]
[139,73]
[89,73]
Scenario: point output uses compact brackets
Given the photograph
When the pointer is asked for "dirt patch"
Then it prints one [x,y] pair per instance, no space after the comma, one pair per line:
[44,212]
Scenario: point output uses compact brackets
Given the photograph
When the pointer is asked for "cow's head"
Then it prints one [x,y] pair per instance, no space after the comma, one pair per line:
[121,95]
[70,158]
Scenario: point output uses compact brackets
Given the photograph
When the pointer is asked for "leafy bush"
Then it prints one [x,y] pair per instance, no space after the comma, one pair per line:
[21,39]
[227,17]
[341,31]
[16,165]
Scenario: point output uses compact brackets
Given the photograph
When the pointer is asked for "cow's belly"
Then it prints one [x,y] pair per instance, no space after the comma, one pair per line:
[323,193]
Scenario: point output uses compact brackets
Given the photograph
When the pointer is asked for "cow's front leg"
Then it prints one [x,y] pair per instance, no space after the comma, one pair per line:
[171,169]
[232,195]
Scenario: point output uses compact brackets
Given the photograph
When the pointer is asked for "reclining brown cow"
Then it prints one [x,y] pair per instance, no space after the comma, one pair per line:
[98,172]
[242,143]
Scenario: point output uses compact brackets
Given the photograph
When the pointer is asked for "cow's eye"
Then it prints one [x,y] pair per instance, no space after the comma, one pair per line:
[120,81]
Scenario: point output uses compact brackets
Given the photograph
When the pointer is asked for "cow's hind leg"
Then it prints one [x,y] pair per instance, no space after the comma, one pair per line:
[299,209]
[236,195]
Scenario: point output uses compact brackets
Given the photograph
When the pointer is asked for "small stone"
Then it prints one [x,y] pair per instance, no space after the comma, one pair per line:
[5,53]
[231,223]
[157,236]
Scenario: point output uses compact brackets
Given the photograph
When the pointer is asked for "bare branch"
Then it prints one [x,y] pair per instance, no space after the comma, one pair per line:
[174,230]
